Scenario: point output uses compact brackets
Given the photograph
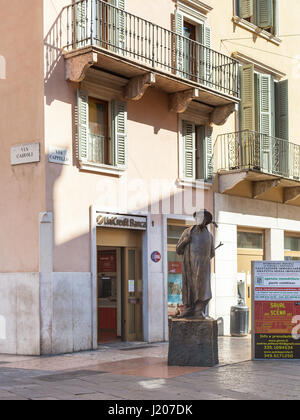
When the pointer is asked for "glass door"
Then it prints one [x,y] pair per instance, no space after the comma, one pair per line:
[133,295]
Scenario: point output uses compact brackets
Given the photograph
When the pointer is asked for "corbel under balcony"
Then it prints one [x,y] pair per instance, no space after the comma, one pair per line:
[179,102]
[259,186]
[77,65]
[138,85]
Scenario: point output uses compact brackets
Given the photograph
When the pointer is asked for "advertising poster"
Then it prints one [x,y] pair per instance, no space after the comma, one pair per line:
[175,289]
[276,311]
[107,261]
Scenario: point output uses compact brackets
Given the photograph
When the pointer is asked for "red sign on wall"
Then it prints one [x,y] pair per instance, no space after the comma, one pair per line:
[175,267]
[107,261]
[276,310]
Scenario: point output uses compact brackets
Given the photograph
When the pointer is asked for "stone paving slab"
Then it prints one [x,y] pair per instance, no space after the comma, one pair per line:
[81,376]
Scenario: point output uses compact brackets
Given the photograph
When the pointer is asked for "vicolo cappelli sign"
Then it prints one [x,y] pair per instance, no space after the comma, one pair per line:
[121,221]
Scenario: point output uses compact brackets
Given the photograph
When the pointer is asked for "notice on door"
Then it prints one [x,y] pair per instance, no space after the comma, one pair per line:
[276,310]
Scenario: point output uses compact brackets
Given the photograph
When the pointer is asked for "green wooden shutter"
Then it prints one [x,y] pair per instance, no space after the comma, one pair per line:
[83,124]
[247,97]
[119,133]
[180,45]
[282,110]
[282,126]
[246,8]
[267,120]
[188,150]
[265,14]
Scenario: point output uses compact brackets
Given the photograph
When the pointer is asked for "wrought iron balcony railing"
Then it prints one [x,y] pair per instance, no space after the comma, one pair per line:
[97,23]
[251,150]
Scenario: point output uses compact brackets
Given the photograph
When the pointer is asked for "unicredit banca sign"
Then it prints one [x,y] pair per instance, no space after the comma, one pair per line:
[121,221]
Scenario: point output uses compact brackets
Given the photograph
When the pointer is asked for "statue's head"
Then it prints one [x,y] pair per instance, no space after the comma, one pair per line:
[203,218]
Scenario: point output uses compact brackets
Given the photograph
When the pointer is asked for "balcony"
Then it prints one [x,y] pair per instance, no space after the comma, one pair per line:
[99,35]
[254,165]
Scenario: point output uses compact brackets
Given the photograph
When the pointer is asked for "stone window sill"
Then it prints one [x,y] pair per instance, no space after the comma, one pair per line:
[101,168]
[197,183]
[256,30]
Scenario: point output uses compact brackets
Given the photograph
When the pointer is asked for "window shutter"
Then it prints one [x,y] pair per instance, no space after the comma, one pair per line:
[119,133]
[247,97]
[83,124]
[282,110]
[267,120]
[204,153]
[205,54]
[180,44]
[282,126]
[188,150]
[265,14]
[82,23]
[245,8]
[209,153]
[118,27]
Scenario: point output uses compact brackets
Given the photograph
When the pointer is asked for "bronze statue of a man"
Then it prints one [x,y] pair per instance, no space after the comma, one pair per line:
[197,247]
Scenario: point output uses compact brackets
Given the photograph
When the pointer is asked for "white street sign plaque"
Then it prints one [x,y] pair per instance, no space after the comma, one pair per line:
[59,155]
[25,153]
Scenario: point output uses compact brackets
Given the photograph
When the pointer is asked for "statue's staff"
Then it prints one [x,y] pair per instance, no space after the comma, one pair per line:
[220,244]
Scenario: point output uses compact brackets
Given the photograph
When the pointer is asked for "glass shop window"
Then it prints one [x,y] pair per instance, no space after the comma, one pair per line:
[250,240]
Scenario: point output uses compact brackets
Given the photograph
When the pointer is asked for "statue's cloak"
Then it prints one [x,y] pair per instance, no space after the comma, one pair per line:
[197,248]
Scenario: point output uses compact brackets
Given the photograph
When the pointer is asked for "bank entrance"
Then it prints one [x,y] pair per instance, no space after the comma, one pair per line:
[250,244]
[119,285]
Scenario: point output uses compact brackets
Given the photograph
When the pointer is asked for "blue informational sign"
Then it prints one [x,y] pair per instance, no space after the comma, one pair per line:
[175,288]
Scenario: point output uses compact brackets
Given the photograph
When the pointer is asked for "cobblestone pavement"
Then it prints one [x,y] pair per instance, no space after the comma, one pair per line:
[137,371]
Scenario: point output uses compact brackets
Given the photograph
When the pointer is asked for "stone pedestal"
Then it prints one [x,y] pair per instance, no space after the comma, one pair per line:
[193,342]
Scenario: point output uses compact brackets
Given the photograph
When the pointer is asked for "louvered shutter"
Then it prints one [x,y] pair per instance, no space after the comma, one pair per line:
[246,8]
[204,153]
[247,97]
[209,153]
[180,45]
[267,120]
[117,22]
[119,133]
[282,110]
[83,23]
[282,125]
[265,14]
[83,125]
[204,36]
[188,150]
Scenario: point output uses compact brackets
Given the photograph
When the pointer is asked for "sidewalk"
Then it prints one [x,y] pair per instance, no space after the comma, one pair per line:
[139,371]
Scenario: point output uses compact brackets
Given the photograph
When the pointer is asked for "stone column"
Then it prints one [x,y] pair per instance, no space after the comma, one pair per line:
[46,281]
[274,244]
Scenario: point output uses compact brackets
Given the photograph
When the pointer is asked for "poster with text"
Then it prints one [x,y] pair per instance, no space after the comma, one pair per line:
[276,310]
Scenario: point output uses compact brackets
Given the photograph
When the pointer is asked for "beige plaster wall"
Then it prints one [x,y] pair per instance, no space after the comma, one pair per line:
[21,121]
[228,38]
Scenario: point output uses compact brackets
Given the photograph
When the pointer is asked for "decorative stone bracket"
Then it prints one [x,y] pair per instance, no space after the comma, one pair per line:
[178,102]
[291,193]
[78,65]
[261,187]
[137,86]
[220,114]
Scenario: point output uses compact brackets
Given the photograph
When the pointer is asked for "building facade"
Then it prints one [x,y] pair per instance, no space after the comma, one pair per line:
[114,131]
